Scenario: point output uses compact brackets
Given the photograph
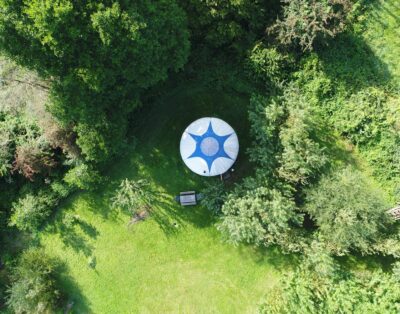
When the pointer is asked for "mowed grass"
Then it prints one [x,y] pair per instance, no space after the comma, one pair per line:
[382,33]
[154,266]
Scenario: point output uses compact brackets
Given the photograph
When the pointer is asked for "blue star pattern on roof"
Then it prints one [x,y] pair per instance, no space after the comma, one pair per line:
[210,146]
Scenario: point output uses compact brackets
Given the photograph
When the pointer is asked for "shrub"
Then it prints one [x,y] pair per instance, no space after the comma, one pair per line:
[214,197]
[303,156]
[350,214]
[335,291]
[32,158]
[260,215]
[83,176]
[29,212]
[133,196]
[268,64]
[305,21]
[288,136]
[34,287]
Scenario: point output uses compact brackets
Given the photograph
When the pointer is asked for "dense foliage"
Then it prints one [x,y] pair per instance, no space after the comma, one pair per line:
[320,285]
[350,214]
[260,215]
[34,287]
[306,21]
[99,55]
[228,23]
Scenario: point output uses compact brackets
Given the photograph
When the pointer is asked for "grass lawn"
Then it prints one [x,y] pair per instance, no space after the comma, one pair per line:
[382,33]
[154,267]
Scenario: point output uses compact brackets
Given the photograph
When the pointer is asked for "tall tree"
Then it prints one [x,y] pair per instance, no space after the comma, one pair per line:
[350,213]
[99,54]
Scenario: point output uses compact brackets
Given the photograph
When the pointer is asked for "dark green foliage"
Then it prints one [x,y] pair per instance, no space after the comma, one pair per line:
[258,214]
[34,287]
[99,56]
[289,138]
[103,44]
[214,196]
[31,210]
[332,291]
[301,137]
[82,176]
[228,22]
[267,64]
[350,214]
[266,117]
[305,21]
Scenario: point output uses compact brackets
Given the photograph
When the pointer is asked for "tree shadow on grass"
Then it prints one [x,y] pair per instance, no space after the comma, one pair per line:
[75,235]
[350,61]
[375,8]
[74,298]
[357,261]
[272,256]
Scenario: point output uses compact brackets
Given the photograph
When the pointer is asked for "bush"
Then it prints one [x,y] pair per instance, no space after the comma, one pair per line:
[268,64]
[34,287]
[83,176]
[289,137]
[257,214]
[29,212]
[335,291]
[32,158]
[305,21]
[350,214]
[214,197]
[134,196]
[303,155]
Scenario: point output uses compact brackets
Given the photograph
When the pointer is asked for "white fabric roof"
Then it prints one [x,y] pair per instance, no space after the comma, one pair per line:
[209,146]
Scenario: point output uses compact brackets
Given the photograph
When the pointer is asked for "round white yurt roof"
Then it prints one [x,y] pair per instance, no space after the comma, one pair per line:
[209,146]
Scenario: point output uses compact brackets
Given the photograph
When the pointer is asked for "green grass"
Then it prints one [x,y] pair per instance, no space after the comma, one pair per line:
[154,267]
[382,33]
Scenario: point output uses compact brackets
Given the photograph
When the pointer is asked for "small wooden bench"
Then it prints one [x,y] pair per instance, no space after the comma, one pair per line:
[187,198]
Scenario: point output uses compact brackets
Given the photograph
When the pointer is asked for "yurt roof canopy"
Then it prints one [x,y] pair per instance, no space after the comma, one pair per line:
[209,146]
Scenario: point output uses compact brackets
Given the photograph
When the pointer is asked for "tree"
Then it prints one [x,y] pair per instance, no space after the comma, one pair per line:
[268,64]
[32,158]
[337,291]
[29,212]
[99,57]
[228,22]
[134,196]
[303,155]
[260,215]
[34,287]
[288,137]
[350,214]
[305,21]
[82,176]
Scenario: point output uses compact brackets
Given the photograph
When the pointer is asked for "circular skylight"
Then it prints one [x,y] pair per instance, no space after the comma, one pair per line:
[209,146]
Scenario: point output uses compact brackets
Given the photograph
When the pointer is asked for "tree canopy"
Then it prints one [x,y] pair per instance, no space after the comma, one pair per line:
[99,55]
